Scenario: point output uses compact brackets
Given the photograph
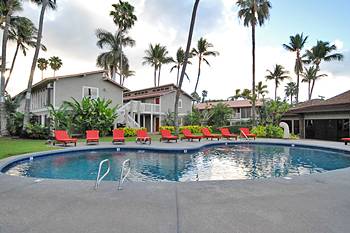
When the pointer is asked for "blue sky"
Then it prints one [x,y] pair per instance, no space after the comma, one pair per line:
[69,34]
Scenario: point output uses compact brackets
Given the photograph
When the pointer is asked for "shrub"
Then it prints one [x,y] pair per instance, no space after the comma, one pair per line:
[193,118]
[15,123]
[36,131]
[171,128]
[220,115]
[270,131]
[131,132]
[260,131]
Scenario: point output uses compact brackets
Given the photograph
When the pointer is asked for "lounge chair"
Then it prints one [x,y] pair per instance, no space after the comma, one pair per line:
[143,137]
[245,133]
[207,134]
[189,136]
[166,136]
[346,140]
[118,136]
[92,136]
[61,136]
[225,133]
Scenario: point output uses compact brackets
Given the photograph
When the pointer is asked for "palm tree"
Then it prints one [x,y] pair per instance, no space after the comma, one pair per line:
[310,76]
[291,89]
[279,74]
[202,51]
[55,64]
[24,33]
[111,60]
[183,71]
[7,8]
[156,56]
[124,18]
[253,12]
[237,95]
[204,95]
[180,57]
[126,73]
[42,65]
[296,45]
[51,4]
[261,89]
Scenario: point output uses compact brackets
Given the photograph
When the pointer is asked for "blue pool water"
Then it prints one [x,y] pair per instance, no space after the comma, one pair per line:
[215,163]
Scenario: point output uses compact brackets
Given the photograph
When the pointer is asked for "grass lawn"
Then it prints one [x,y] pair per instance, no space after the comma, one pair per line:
[10,147]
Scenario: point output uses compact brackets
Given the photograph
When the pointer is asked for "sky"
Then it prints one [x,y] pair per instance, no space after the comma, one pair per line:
[69,32]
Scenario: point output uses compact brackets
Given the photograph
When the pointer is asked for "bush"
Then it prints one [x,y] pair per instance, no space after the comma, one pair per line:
[15,123]
[193,118]
[196,129]
[36,131]
[171,128]
[260,131]
[270,131]
[131,132]
[220,115]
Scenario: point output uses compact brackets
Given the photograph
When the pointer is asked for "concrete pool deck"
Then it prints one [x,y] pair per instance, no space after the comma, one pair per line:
[317,203]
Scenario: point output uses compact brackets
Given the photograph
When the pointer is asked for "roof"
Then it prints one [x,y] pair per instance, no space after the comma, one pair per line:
[229,103]
[152,92]
[50,79]
[340,102]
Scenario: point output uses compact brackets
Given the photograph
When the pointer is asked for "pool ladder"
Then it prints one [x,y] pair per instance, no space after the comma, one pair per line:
[125,171]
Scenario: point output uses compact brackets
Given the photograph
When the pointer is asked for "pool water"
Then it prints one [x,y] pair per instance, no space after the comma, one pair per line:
[216,163]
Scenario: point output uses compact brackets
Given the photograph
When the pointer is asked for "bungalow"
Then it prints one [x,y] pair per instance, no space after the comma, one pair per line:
[241,109]
[55,90]
[321,119]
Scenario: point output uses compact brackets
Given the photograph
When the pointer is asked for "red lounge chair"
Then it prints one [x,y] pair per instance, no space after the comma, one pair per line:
[225,132]
[92,136]
[142,136]
[189,136]
[346,140]
[207,134]
[61,136]
[118,136]
[166,135]
[245,133]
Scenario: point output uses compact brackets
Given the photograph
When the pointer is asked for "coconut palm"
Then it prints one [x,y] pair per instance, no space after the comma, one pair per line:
[111,60]
[45,4]
[237,95]
[253,13]
[180,57]
[124,18]
[23,32]
[291,90]
[204,95]
[183,71]
[55,64]
[278,75]
[42,65]
[126,73]
[156,56]
[261,90]
[310,76]
[202,51]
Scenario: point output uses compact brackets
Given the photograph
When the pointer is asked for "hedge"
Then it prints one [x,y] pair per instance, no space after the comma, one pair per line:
[195,129]
[131,132]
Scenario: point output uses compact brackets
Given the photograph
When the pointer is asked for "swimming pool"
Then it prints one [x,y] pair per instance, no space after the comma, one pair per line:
[225,162]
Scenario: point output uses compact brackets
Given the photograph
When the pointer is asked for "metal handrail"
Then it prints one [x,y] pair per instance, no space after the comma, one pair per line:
[246,137]
[99,179]
[123,174]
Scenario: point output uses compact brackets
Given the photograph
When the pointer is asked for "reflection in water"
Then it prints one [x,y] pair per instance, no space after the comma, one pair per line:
[220,163]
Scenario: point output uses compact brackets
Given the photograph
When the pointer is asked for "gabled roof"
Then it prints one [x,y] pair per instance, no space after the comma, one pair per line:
[152,92]
[229,103]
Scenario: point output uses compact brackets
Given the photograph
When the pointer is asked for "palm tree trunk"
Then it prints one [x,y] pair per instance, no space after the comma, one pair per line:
[199,72]
[276,86]
[54,73]
[312,88]
[121,59]
[5,34]
[309,90]
[253,69]
[291,99]
[178,74]
[12,66]
[159,69]
[298,77]
[32,71]
[113,73]
[155,75]
[183,71]
[42,74]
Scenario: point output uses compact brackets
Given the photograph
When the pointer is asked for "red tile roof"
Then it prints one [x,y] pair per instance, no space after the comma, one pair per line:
[151,92]
[230,103]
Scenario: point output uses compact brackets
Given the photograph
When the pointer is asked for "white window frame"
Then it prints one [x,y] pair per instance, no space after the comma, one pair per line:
[180,103]
[96,88]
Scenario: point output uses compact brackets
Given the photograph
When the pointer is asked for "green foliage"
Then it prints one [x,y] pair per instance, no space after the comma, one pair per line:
[92,114]
[195,129]
[15,123]
[131,132]
[171,128]
[36,131]
[169,119]
[269,131]
[272,111]
[194,118]
[60,118]
[260,131]
[220,115]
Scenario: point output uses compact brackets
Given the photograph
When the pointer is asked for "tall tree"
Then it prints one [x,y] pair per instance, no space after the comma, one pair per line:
[204,95]
[291,90]
[261,90]
[55,64]
[8,7]
[179,61]
[183,71]
[296,45]
[253,12]
[237,95]
[310,76]
[110,60]
[124,18]
[126,73]
[51,4]
[278,75]
[42,65]
[202,51]
[23,32]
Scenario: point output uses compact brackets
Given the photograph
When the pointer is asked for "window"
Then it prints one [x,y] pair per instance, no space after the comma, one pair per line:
[180,103]
[91,92]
